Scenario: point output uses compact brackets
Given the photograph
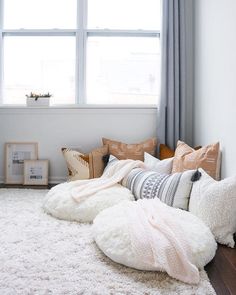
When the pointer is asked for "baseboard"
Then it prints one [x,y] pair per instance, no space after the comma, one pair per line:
[55,180]
[52,180]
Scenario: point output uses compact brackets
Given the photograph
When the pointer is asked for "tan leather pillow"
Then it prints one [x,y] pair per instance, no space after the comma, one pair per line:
[207,158]
[96,163]
[136,151]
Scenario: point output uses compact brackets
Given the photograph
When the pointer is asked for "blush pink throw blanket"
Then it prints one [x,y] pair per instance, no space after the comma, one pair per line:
[151,223]
[158,240]
[82,189]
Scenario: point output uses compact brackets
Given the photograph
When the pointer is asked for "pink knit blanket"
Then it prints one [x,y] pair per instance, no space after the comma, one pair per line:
[151,223]
[81,189]
[158,240]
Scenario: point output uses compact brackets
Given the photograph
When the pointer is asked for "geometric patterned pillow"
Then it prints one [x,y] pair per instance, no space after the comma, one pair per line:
[77,164]
[87,166]
[173,189]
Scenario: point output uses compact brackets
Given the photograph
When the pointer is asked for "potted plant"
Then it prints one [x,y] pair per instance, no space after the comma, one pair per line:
[38,99]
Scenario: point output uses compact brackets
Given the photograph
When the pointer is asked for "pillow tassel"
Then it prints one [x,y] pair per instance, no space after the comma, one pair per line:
[196,176]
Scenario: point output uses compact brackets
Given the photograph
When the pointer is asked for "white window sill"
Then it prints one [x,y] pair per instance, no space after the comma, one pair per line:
[83,106]
[78,109]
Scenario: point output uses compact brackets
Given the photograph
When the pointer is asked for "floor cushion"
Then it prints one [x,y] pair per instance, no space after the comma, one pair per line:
[111,233]
[60,204]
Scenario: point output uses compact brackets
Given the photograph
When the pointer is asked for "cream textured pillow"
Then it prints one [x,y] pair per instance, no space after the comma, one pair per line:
[136,151]
[214,202]
[160,166]
[77,164]
[207,157]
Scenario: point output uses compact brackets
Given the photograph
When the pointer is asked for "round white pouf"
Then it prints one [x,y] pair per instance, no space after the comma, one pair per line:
[111,233]
[60,204]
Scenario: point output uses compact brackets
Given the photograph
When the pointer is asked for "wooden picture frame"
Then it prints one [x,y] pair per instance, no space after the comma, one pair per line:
[36,172]
[15,154]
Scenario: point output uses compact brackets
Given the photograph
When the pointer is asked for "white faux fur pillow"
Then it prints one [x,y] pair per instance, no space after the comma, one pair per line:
[160,166]
[111,231]
[214,202]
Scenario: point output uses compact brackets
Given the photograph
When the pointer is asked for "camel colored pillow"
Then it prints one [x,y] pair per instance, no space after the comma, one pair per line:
[207,158]
[136,151]
[165,152]
[96,163]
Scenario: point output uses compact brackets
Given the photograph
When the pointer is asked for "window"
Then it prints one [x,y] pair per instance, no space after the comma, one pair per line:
[81,51]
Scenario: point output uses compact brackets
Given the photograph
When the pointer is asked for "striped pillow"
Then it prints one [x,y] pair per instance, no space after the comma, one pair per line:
[174,189]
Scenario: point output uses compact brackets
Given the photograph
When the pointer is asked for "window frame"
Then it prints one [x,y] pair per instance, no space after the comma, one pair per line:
[81,33]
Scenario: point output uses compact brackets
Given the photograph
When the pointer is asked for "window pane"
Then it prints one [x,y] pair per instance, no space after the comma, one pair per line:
[39,64]
[122,70]
[39,14]
[124,14]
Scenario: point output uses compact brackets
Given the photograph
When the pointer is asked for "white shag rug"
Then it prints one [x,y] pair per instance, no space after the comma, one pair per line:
[40,255]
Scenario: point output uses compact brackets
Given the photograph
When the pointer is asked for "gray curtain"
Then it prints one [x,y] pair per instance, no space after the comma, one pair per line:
[174,104]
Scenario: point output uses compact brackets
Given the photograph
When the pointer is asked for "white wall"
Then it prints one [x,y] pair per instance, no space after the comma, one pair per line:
[215,78]
[81,128]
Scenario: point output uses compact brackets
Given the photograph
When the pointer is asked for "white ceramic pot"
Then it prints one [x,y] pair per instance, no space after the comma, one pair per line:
[40,102]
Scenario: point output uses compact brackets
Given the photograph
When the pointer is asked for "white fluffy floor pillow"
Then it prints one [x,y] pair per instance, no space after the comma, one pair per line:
[60,204]
[111,233]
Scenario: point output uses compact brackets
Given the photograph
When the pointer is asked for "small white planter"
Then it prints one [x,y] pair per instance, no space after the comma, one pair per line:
[40,102]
